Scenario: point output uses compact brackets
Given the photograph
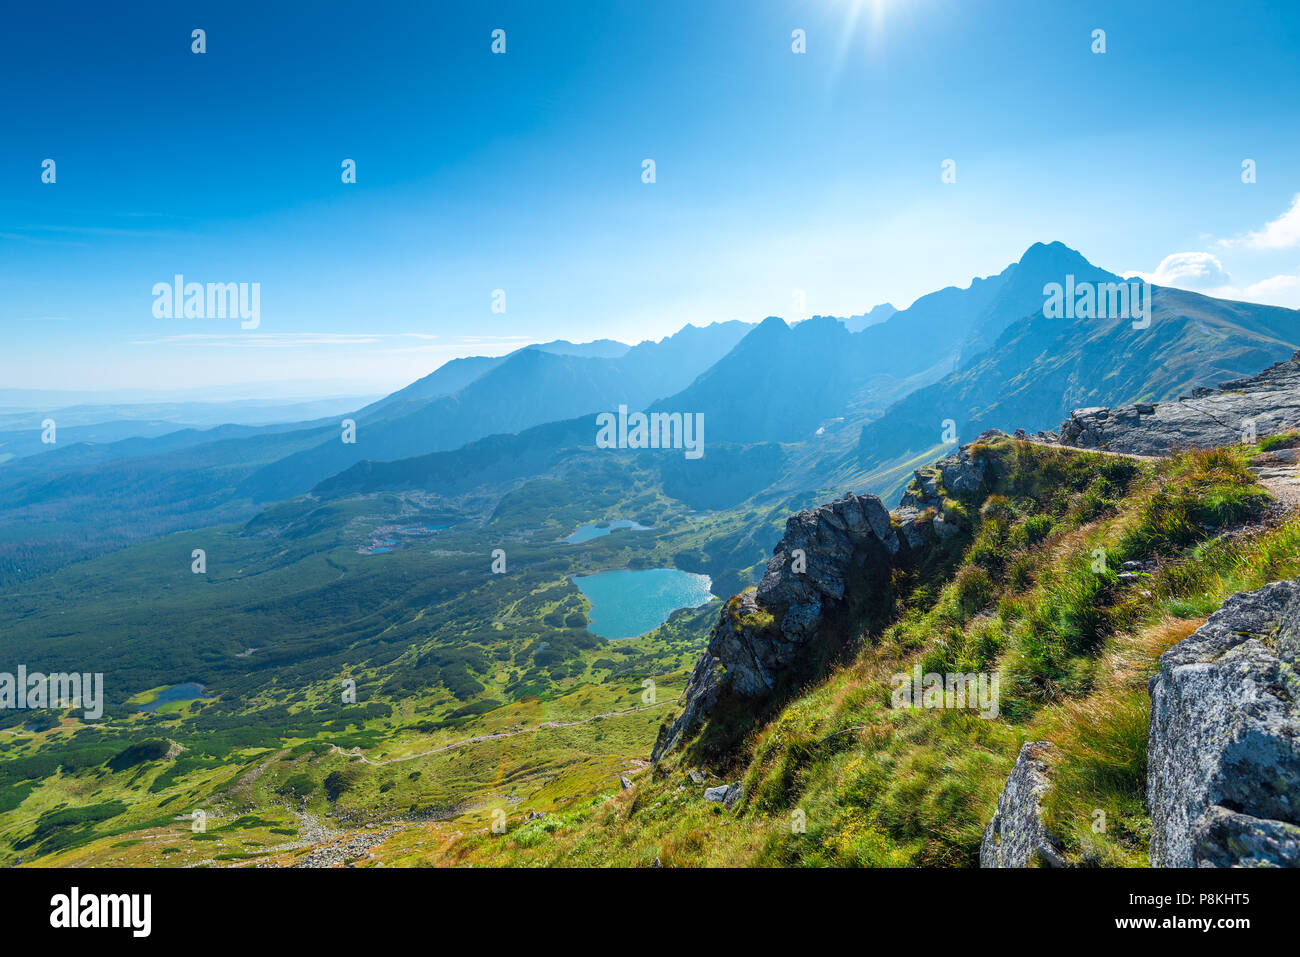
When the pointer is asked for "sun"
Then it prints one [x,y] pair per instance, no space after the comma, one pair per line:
[871,11]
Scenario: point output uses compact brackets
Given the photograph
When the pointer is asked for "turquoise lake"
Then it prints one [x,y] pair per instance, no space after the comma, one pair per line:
[631,602]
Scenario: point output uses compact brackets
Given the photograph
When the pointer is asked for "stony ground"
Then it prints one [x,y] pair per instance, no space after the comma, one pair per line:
[1279,472]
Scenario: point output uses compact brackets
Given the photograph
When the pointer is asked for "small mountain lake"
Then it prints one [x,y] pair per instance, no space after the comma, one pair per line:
[586,533]
[182,692]
[406,534]
[630,602]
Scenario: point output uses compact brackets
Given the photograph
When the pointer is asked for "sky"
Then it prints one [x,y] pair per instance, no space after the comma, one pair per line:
[785,183]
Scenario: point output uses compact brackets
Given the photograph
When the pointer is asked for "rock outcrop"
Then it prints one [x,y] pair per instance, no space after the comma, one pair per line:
[1223,784]
[698,700]
[833,565]
[1017,837]
[832,557]
[925,503]
[1267,403]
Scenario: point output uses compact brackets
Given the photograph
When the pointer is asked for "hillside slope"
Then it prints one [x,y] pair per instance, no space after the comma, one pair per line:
[1061,573]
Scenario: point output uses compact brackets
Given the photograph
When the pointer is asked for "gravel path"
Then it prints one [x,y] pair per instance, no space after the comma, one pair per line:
[1283,482]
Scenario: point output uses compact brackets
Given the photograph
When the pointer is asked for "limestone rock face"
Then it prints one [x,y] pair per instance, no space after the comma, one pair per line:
[1223,783]
[1017,837]
[1208,417]
[828,557]
[836,557]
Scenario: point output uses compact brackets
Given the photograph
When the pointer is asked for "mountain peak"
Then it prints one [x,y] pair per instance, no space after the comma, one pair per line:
[1054,258]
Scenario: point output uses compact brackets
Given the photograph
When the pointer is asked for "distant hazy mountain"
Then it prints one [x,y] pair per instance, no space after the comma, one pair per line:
[845,419]
[456,374]
[449,377]
[21,431]
[597,349]
[779,383]
[528,388]
[873,316]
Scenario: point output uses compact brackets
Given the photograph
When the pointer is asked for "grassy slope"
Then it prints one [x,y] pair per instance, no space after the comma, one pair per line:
[874,785]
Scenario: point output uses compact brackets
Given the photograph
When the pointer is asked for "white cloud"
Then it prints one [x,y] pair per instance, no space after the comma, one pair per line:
[1197,271]
[1203,272]
[1281,233]
[1281,290]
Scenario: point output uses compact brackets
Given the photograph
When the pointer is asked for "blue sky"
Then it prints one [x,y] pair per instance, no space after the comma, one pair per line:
[775,172]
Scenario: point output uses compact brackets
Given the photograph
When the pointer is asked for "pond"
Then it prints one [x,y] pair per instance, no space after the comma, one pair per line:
[182,692]
[631,602]
[586,533]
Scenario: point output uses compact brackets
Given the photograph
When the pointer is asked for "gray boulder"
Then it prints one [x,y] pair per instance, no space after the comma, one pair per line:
[724,794]
[1223,783]
[1017,837]
[832,539]
[1224,838]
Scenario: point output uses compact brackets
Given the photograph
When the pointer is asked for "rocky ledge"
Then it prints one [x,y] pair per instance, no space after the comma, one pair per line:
[1268,403]
[1223,784]
[831,572]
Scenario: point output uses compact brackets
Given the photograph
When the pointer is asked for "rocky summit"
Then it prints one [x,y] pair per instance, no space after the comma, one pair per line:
[1264,404]
[1223,784]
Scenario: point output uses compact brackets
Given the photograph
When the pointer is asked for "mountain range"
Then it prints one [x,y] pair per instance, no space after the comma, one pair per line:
[808,407]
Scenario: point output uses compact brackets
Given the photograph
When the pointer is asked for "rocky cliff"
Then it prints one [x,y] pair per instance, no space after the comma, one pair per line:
[1267,403]
[831,575]
[830,557]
